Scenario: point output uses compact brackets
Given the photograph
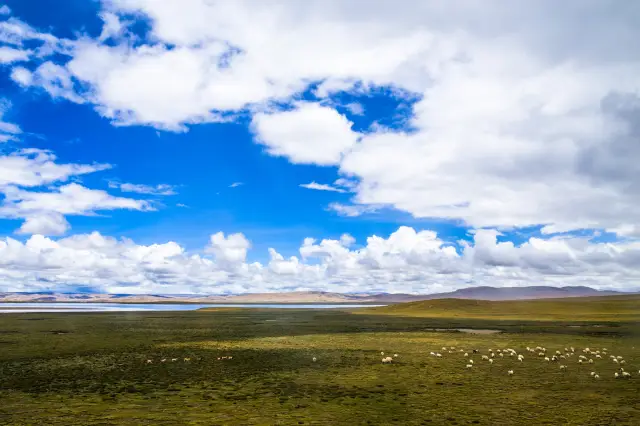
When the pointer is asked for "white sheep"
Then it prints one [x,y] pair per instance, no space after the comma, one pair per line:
[395,355]
[466,354]
[501,355]
[616,361]
[619,357]
[470,361]
[580,361]
[593,373]
[432,353]
[438,355]
[469,365]
[187,360]
[314,359]
[382,353]
[547,359]
[596,377]
[625,374]
[616,375]
[149,361]
[590,361]
[484,357]
[598,356]
[563,367]
[623,362]
[510,372]
[491,361]
[174,359]
[163,360]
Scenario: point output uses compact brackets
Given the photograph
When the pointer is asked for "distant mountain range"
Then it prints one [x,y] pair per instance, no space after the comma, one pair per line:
[478,293]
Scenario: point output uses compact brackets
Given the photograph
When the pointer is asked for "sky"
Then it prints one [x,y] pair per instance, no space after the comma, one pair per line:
[219,147]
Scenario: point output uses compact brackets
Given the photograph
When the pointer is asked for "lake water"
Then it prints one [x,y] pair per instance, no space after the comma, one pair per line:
[136,307]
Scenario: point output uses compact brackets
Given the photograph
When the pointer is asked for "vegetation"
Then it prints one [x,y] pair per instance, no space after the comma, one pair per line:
[88,368]
[603,308]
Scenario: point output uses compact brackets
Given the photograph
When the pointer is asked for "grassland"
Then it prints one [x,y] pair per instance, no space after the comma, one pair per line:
[91,369]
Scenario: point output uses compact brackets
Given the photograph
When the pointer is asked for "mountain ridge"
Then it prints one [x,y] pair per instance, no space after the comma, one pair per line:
[478,293]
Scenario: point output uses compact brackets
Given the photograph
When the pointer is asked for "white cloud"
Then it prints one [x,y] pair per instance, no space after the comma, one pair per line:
[236,184]
[44,224]
[230,250]
[160,189]
[321,187]
[8,131]
[310,134]
[528,111]
[9,55]
[407,261]
[355,108]
[44,211]
[4,10]
[22,76]
[53,78]
[34,167]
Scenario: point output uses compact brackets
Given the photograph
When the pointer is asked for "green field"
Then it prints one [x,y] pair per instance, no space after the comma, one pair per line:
[90,369]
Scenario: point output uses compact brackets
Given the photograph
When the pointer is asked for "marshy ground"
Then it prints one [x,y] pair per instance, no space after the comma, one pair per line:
[92,369]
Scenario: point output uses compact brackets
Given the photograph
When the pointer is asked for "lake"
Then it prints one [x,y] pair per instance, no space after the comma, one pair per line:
[133,307]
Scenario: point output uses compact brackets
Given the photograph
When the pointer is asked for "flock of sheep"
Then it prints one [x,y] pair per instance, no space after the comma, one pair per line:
[587,357]
[150,361]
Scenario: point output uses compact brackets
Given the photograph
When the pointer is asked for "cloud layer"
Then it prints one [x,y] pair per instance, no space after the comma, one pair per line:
[406,261]
[526,112]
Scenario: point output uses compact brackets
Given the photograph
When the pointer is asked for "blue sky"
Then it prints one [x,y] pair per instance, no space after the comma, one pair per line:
[430,130]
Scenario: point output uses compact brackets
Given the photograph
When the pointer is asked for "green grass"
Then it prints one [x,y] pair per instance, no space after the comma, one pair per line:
[86,369]
[604,308]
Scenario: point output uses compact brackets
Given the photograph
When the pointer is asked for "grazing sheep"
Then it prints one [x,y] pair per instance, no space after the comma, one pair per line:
[382,353]
[174,359]
[558,353]
[547,359]
[501,355]
[616,361]
[395,355]
[149,361]
[386,360]
[314,359]
[590,361]
[563,367]
[469,365]
[491,361]
[484,357]
[623,362]
[616,375]
[593,373]
[163,360]
[619,357]
[510,372]
[596,377]
[598,356]
[444,349]
[563,357]
[475,351]
[466,354]
[493,355]
[432,353]
[439,355]
[187,360]
[572,350]
[580,361]
[470,361]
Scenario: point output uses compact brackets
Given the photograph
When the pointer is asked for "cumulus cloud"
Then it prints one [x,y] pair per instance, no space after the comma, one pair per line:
[527,112]
[160,189]
[236,184]
[321,187]
[406,261]
[308,134]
